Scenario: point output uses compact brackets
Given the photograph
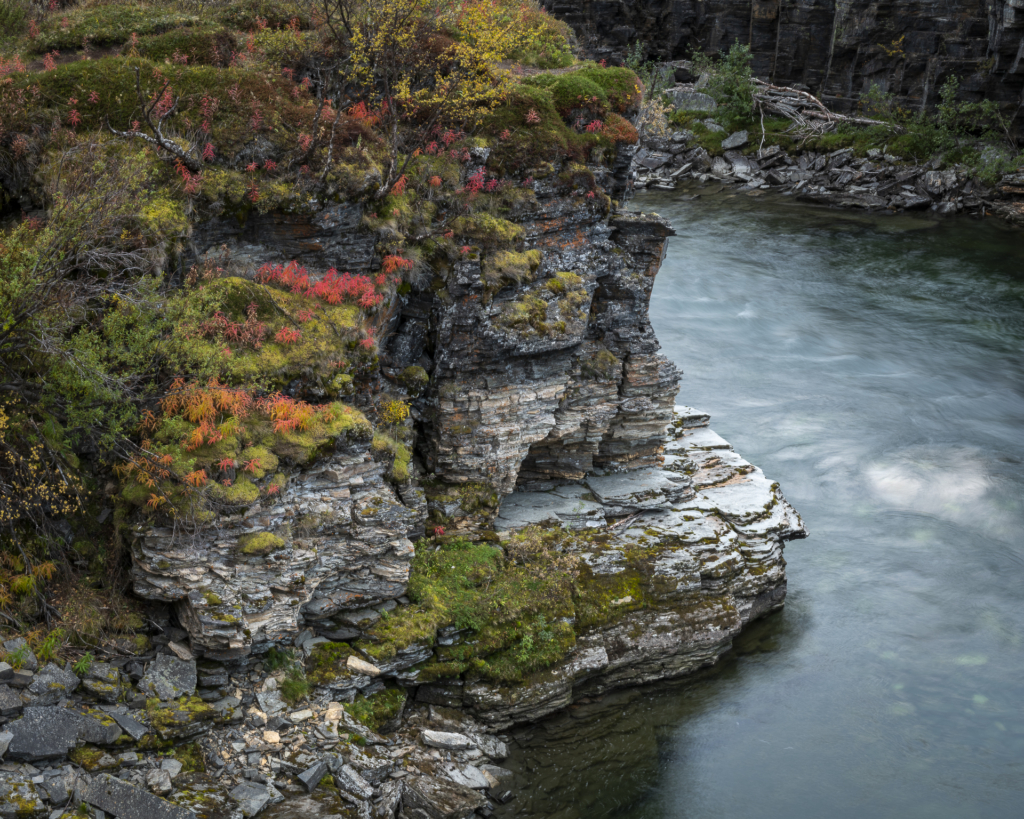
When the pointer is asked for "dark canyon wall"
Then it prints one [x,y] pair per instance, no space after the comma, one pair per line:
[837,48]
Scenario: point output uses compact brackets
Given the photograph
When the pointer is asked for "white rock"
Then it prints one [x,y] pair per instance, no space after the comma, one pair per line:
[271,737]
[447,741]
[362,667]
[159,782]
[181,650]
[301,716]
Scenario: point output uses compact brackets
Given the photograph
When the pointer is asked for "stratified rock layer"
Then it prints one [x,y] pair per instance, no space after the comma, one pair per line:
[699,556]
[344,545]
[540,381]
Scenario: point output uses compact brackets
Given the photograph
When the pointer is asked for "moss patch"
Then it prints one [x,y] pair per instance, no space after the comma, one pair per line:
[511,610]
[377,710]
[260,543]
[327,662]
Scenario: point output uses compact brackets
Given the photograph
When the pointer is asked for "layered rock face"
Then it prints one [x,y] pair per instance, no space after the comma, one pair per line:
[547,402]
[837,48]
[335,541]
[551,377]
[697,557]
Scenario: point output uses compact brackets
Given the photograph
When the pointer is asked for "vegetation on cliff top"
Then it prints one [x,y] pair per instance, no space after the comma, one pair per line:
[194,382]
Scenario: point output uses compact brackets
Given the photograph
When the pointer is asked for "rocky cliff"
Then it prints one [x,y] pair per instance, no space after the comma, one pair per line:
[616,541]
[543,400]
[836,48]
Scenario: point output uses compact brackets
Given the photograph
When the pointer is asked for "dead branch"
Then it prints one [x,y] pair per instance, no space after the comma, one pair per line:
[807,112]
[156,126]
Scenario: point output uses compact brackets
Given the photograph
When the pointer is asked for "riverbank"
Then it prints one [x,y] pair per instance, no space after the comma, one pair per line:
[841,179]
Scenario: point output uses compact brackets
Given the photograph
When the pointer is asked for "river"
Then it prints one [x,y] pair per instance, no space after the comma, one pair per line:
[874,366]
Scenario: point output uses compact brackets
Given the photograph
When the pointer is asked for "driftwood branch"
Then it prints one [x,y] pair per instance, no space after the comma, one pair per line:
[805,110]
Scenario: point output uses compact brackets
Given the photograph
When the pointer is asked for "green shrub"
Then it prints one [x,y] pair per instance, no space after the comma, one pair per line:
[277,659]
[14,15]
[294,686]
[573,91]
[83,664]
[620,85]
[729,82]
[547,41]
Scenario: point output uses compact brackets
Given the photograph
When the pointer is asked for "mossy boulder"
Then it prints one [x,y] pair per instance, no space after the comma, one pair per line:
[260,543]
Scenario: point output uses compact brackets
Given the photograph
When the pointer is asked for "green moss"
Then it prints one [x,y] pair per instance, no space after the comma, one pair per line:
[564,280]
[601,366]
[620,86]
[89,757]
[260,543]
[572,92]
[327,662]
[414,379]
[205,44]
[513,611]
[509,267]
[488,231]
[105,25]
[400,456]
[262,461]
[377,710]
[172,720]
[241,493]
[527,315]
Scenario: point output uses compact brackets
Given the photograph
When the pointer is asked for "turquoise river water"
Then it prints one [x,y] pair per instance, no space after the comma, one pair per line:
[874,366]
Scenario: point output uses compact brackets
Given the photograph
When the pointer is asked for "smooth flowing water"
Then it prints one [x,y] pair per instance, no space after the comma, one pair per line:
[874,367]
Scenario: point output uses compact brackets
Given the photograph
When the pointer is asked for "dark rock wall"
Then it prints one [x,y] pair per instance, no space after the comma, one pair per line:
[579,386]
[837,48]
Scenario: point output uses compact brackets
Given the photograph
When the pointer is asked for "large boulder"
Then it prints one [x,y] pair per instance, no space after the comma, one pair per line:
[129,802]
[44,733]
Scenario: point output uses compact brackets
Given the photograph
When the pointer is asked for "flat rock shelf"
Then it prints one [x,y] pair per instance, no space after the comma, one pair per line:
[689,553]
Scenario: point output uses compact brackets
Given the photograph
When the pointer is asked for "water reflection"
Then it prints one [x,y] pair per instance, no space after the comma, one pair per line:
[874,367]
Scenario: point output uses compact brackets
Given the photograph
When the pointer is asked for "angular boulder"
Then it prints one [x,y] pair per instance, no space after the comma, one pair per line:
[104,682]
[10,701]
[52,684]
[19,798]
[440,798]
[169,678]
[735,140]
[447,741]
[44,733]
[252,797]
[126,801]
